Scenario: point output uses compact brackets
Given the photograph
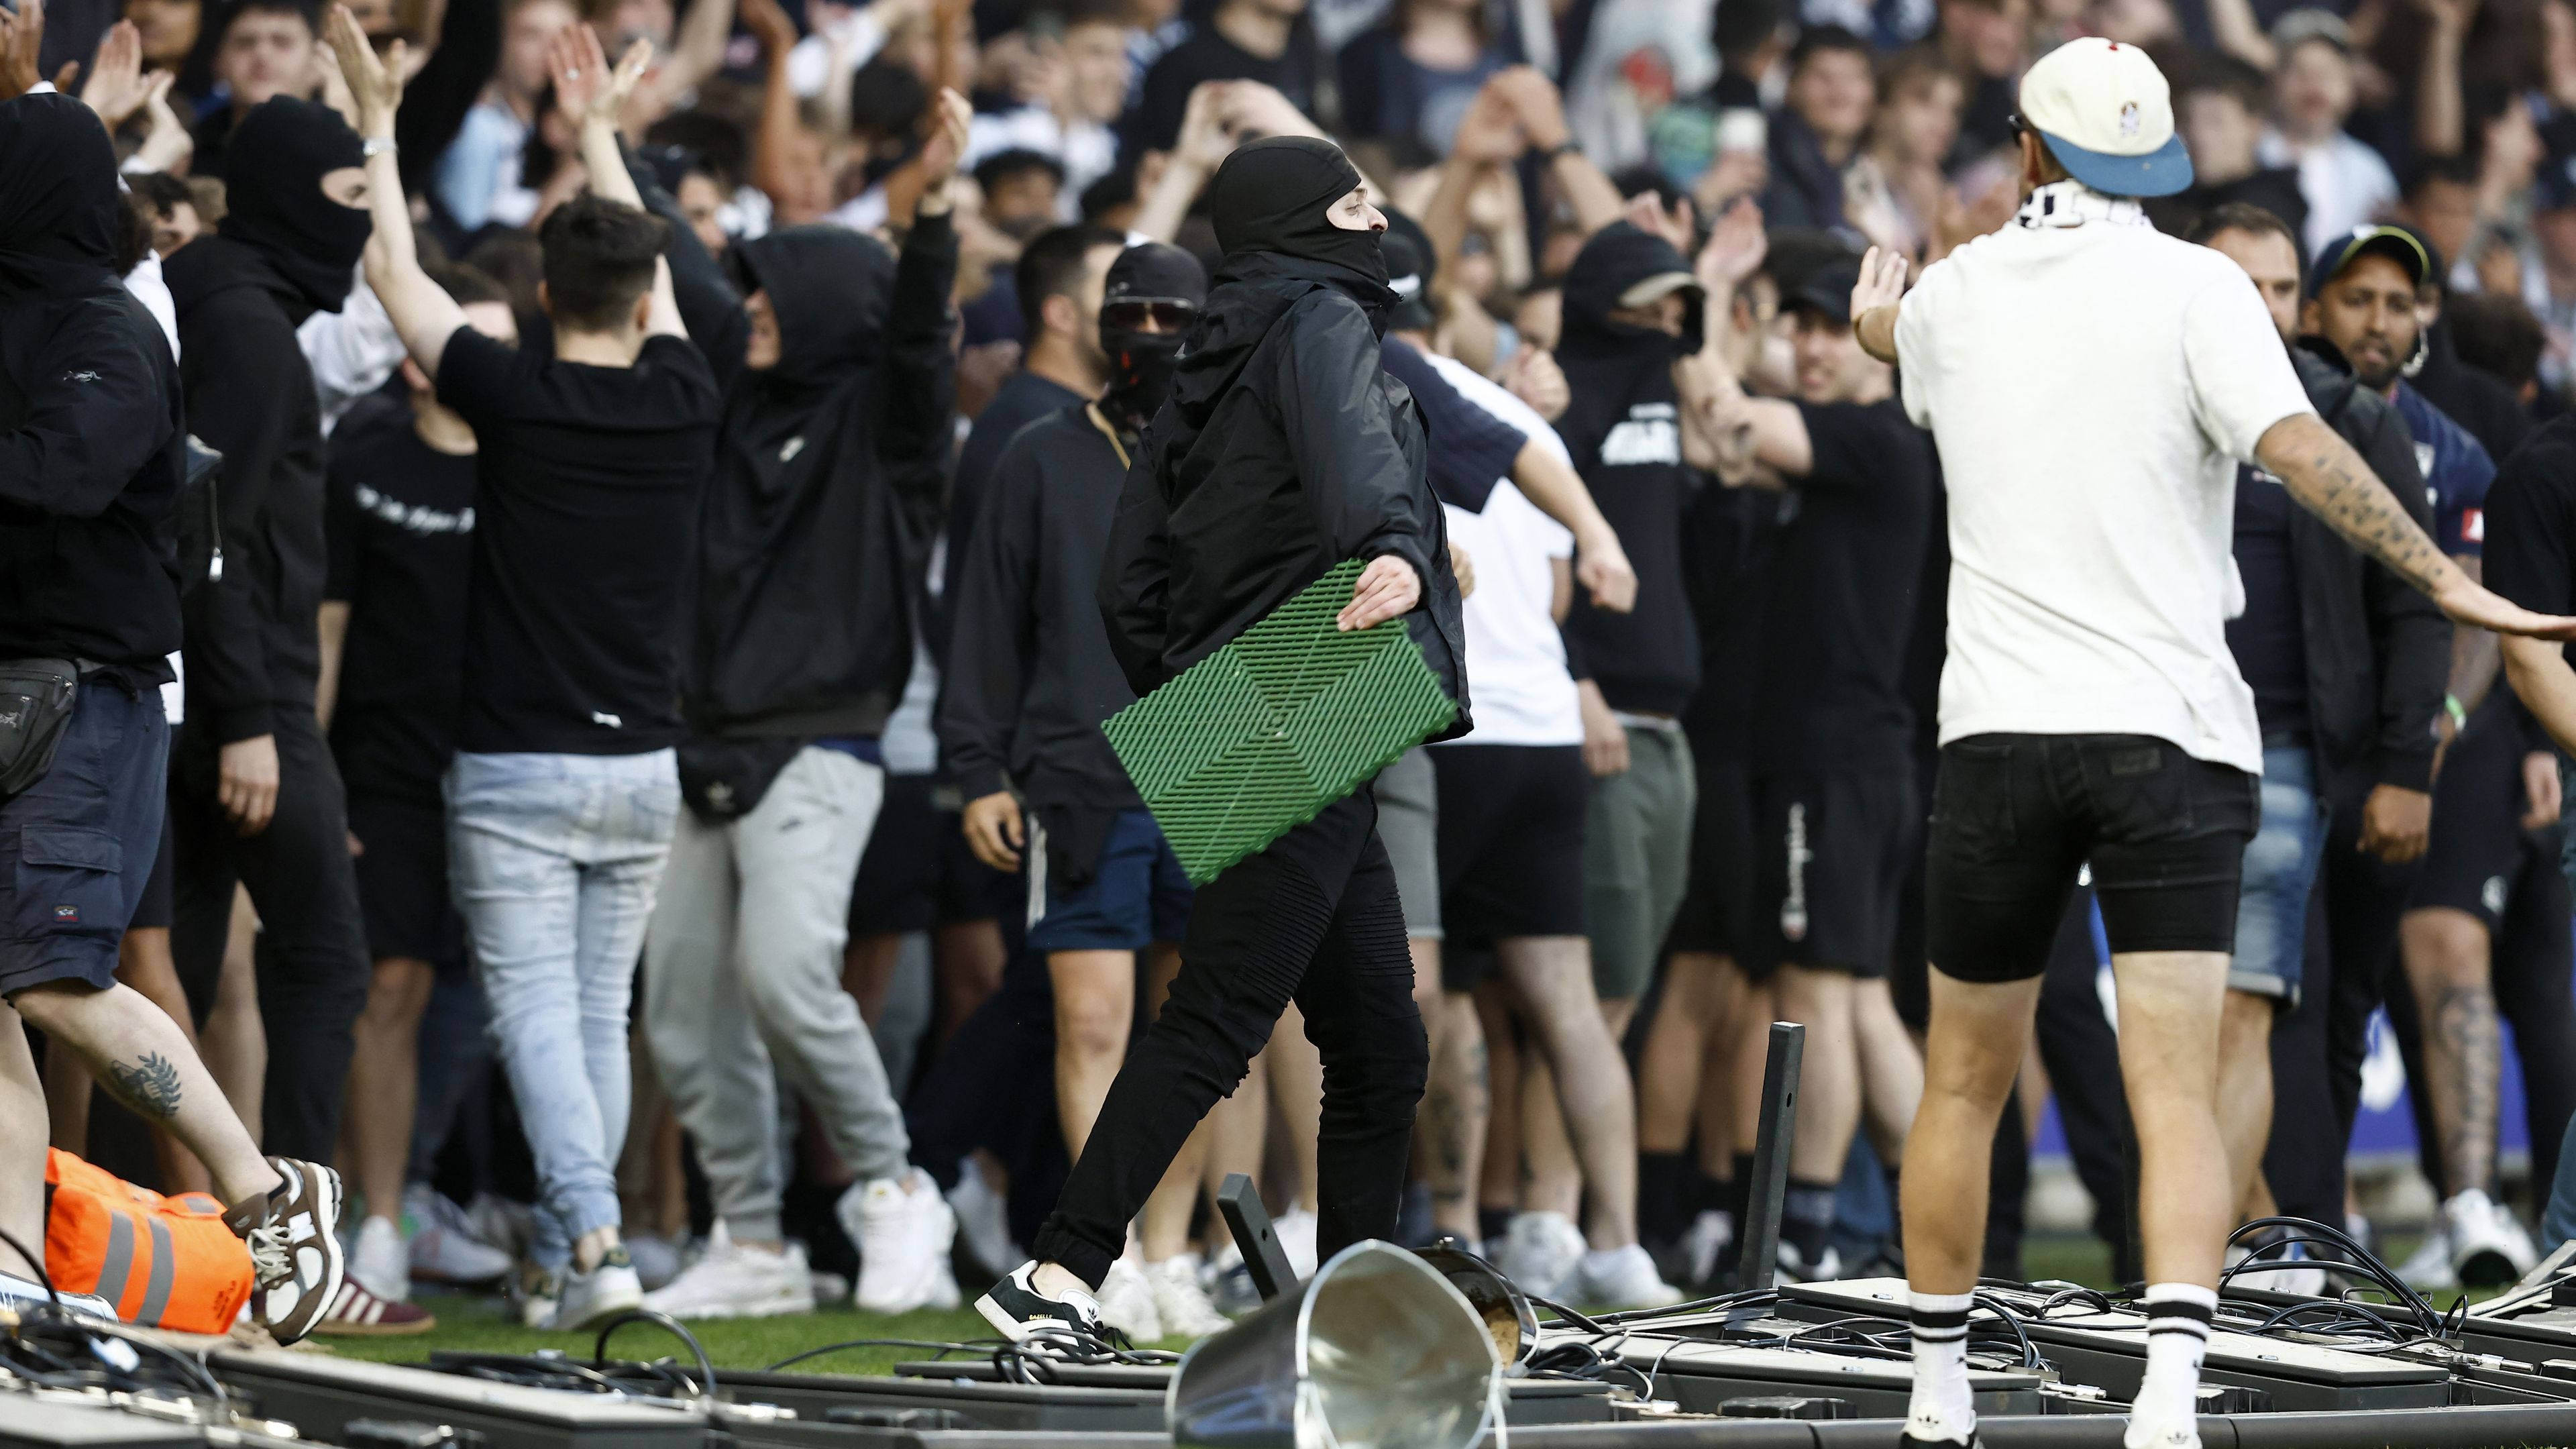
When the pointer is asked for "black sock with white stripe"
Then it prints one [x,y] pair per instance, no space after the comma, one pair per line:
[2178,1316]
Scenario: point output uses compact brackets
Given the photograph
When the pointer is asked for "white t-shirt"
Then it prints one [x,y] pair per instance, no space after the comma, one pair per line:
[2092,384]
[2345,184]
[1515,656]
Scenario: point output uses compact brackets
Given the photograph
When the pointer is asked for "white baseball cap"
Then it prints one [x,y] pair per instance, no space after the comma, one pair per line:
[2106,114]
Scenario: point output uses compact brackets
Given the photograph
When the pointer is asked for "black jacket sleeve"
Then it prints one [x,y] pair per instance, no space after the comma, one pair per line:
[1333,410]
[708,306]
[916,430]
[1136,577]
[2411,639]
[435,103]
[994,632]
[95,413]
[242,368]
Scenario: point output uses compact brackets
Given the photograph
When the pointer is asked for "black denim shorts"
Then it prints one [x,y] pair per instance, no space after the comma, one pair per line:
[2016,817]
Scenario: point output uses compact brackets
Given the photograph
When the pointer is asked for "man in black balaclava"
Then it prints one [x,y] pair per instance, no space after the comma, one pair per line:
[1030,681]
[1282,450]
[254,795]
[92,448]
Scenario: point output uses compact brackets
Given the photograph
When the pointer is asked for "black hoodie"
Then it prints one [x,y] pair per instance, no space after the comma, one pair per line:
[91,446]
[279,257]
[1284,448]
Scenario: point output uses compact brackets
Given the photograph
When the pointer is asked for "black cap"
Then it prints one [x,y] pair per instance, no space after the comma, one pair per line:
[1155,272]
[1827,291]
[2393,242]
[1408,271]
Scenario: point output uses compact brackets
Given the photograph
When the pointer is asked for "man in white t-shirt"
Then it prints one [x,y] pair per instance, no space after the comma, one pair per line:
[2092,385]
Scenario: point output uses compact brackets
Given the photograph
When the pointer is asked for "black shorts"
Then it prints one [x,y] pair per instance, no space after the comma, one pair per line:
[1511,848]
[918,872]
[1717,915]
[2014,817]
[402,879]
[2479,859]
[154,911]
[1829,870]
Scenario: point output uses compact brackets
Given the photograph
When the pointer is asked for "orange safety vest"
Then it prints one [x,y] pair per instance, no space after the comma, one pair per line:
[165,1262]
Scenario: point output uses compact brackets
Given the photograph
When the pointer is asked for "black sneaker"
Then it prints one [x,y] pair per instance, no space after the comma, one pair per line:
[1022,1313]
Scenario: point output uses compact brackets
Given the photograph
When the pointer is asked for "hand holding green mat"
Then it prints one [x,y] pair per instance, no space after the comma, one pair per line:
[1260,736]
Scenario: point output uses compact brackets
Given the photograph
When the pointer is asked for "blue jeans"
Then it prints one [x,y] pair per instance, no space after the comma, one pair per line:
[554,860]
[2280,870]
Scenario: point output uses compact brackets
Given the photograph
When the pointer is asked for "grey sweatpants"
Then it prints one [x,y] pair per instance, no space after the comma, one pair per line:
[743,966]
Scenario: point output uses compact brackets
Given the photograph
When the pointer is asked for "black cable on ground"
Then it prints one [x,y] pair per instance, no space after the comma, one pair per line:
[668,1324]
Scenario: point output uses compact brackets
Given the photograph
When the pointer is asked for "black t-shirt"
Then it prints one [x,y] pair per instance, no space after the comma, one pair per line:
[2531,523]
[2268,639]
[1842,604]
[398,516]
[1729,538]
[585,525]
[1207,55]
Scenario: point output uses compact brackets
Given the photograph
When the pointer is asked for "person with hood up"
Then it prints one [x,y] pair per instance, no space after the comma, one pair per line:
[254,794]
[1031,679]
[839,386]
[92,450]
[1282,450]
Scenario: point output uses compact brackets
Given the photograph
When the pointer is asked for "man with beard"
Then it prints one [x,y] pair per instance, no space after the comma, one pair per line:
[92,447]
[1282,451]
[254,794]
[1031,680]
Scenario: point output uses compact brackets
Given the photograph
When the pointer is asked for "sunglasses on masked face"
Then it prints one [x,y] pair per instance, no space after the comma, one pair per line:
[1168,315]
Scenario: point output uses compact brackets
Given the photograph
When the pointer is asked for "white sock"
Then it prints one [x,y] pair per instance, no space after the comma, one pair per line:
[2178,1317]
[1942,1408]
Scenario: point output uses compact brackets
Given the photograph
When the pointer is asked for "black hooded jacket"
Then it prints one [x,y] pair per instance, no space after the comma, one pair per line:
[91,444]
[280,257]
[1284,448]
[829,471]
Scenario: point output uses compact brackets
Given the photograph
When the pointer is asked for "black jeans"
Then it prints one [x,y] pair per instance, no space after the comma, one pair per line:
[1315,919]
[313,966]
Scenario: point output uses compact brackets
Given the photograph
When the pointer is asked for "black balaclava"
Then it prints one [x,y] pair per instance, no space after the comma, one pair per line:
[58,198]
[1141,363]
[830,288]
[273,191]
[1271,196]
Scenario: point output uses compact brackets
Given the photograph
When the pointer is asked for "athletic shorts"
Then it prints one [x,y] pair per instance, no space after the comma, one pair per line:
[1408,825]
[2015,816]
[1138,893]
[402,879]
[2479,858]
[918,872]
[1511,849]
[1829,864]
[1717,911]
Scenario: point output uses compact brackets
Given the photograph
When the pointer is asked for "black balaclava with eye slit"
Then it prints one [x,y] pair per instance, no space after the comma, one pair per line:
[1272,196]
[273,194]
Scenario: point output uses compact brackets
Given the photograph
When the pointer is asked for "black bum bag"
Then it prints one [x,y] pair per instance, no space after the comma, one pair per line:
[36,700]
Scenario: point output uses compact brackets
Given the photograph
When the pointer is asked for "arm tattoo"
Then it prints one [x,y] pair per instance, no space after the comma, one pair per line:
[150,1086]
[2466,1051]
[2330,480]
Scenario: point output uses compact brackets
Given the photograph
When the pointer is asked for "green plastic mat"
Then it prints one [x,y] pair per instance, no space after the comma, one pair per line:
[1260,736]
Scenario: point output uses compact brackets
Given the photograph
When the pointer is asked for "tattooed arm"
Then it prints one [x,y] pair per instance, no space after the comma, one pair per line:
[2329,479]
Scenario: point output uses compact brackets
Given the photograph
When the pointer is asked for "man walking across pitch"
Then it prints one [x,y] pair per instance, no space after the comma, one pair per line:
[2090,711]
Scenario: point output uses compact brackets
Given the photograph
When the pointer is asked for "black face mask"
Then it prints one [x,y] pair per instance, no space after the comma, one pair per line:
[1140,375]
[58,202]
[1172,283]
[273,186]
[1272,196]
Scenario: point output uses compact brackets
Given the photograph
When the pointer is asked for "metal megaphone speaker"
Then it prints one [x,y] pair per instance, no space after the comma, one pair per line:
[1506,1311]
[1376,1351]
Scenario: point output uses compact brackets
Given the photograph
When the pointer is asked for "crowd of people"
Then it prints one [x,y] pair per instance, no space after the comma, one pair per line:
[611,766]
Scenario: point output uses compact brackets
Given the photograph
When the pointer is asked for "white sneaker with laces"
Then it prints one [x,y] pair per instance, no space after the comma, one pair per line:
[657,1260]
[1624,1278]
[443,1247]
[1541,1252]
[1708,1236]
[2428,1268]
[293,1234]
[1179,1300]
[2489,1249]
[983,1220]
[380,1261]
[1127,1302]
[591,1299]
[731,1280]
[1295,1229]
[904,1230]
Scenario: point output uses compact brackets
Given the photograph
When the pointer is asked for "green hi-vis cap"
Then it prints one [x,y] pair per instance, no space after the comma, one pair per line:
[1257,738]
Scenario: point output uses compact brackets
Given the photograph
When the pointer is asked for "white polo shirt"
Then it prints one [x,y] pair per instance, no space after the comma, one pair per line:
[2092,384]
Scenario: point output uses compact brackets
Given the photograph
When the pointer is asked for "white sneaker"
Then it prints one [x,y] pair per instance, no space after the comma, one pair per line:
[1541,1252]
[1127,1303]
[380,1261]
[1709,1234]
[2298,1275]
[1795,1268]
[1624,1278]
[657,1260]
[983,1220]
[444,1248]
[2428,1268]
[498,1222]
[1229,1283]
[591,1299]
[830,1290]
[1180,1302]
[2182,1434]
[904,1231]
[540,1293]
[1295,1229]
[2489,1249]
[734,1281]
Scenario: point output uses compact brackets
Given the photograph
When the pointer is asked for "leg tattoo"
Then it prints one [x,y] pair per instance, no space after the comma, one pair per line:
[150,1086]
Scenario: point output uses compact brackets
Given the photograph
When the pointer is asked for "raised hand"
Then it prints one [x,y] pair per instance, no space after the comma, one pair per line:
[374,84]
[22,36]
[1736,246]
[166,142]
[1204,140]
[1646,211]
[1490,131]
[950,120]
[586,87]
[116,87]
[1882,281]
[769,24]
[1536,101]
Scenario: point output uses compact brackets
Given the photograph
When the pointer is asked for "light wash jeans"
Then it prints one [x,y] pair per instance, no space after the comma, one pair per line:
[554,861]
[746,947]
[2280,871]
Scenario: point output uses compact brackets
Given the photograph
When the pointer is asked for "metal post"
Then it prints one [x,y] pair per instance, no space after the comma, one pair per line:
[1240,1204]
[1770,1185]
